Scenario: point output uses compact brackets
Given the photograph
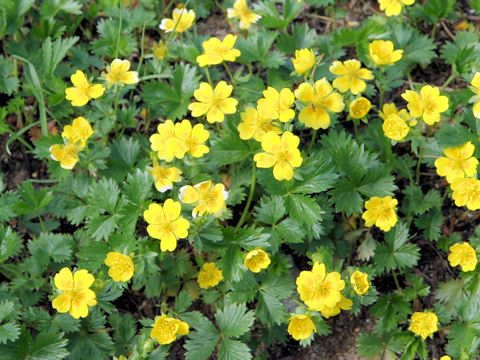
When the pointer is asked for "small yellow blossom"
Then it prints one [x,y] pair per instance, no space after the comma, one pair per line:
[209,276]
[189,140]
[181,20]
[464,255]
[215,51]
[343,304]
[165,132]
[301,326]
[241,10]
[76,294]
[255,124]
[280,152]
[165,176]
[319,99]
[382,53]
[166,329]
[476,89]
[380,212]
[277,105]
[66,154]
[82,90]
[349,76]
[424,324]
[121,266]
[118,73]
[256,260]
[458,163]
[445,357]
[79,132]
[303,61]
[213,102]
[317,288]
[166,224]
[206,197]
[393,7]
[360,283]
[428,105]
[466,192]
[359,107]
[160,50]
[395,125]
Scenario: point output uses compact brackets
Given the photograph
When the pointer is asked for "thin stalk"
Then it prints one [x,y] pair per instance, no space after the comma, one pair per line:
[410,81]
[419,162]
[449,80]
[42,224]
[228,71]
[209,79]
[397,283]
[249,200]
[19,112]
[119,32]
[314,135]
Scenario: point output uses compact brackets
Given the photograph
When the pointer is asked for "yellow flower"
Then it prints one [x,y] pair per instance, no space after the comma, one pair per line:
[76,295]
[214,103]
[464,255]
[476,89]
[166,329]
[281,152]
[359,107]
[165,176]
[215,51]
[165,132]
[241,10]
[181,20]
[303,61]
[277,104]
[117,73]
[301,326]
[428,105]
[166,224]
[466,192]
[393,7]
[160,50]
[318,99]
[395,125]
[121,266]
[458,163]
[255,124]
[189,140]
[82,90]
[209,276]
[66,154]
[343,304]
[79,132]
[380,212]
[424,323]
[349,76]
[382,53]
[256,260]
[208,198]
[360,282]
[445,357]
[318,289]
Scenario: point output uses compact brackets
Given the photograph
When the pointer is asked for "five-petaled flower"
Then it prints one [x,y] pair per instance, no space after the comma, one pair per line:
[458,162]
[301,326]
[382,52]
[466,192]
[280,152]
[463,254]
[476,89]
[82,90]
[359,281]
[66,154]
[396,124]
[256,260]
[166,224]
[213,102]
[424,323]
[303,61]
[359,108]
[206,197]
[380,212]
[350,76]
[255,124]
[118,73]
[247,17]
[428,105]
[165,176]
[181,20]
[342,304]
[121,266]
[215,51]
[165,329]
[393,7]
[76,294]
[319,99]
[79,132]
[277,105]
[209,276]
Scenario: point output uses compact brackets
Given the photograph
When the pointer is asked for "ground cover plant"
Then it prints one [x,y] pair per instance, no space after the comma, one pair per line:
[239,179]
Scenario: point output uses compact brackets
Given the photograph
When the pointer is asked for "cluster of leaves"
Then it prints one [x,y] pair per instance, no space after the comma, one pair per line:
[74,218]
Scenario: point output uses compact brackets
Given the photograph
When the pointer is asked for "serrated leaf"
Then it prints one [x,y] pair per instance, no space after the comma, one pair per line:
[9,332]
[202,341]
[234,320]
[10,243]
[233,350]
[103,195]
[182,302]
[227,150]
[369,345]
[100,227]
[304,209]
[430,223]
[48,346]
[270,209]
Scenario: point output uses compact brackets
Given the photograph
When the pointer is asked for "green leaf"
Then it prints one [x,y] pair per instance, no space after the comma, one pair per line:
[125,329]
[109,37]
[390,310]
[317,175]
[233,350]
[202,341]
[270,209]
[274,288]
[304,209]
[182,302]
[52,53]
[450,293]
[10,243]
[84,345]
[418,203]
[234,320]
[103,195]
[230,149]
[431,223]
[92,254]
[8,83]
[9,332]
[463,340]
[395,253]
[369,345]
[101,227]
[50,247]
[123,158]
[32,199]
[48,346]
[7,205]
[417,48]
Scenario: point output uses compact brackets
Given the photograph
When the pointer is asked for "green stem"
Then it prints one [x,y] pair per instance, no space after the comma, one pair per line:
[397,283]
[209,79]
[450,79]
[314,135]
[419,162]
[42,224]
[410,81]
[119,32]
[434,30]
[249,200]
[228,71]
[19,112]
